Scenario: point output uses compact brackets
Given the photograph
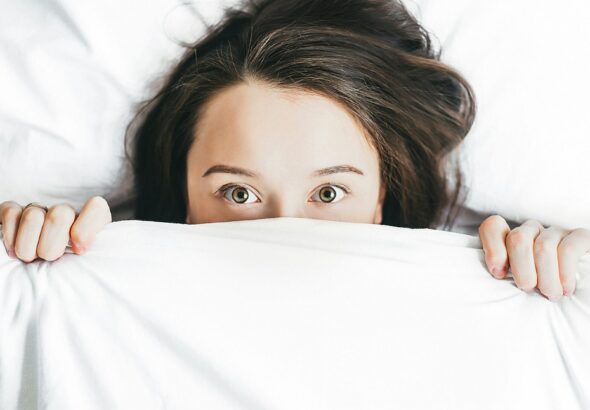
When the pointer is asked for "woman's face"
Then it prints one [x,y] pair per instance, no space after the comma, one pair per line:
[261,152]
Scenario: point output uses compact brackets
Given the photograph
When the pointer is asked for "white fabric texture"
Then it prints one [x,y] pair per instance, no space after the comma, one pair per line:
[285,313]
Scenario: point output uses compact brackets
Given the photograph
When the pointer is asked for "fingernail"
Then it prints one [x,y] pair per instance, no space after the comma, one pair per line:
[554,298]
[11,253]
[497,272]
[78,248]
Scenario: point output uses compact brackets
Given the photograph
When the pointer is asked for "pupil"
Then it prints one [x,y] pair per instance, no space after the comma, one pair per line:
[330,196]
[238,197]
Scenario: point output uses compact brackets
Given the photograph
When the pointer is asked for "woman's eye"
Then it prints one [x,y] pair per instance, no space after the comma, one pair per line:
[329,193]
[238,194]
[241,195]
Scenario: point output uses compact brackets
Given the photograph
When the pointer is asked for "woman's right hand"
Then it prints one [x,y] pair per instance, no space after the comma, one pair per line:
[34,233]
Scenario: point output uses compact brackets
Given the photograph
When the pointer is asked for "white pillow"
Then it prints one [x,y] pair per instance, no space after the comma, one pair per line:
[71,75]
[528,154]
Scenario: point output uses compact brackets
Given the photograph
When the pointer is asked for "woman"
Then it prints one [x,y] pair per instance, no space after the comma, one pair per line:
[331,109]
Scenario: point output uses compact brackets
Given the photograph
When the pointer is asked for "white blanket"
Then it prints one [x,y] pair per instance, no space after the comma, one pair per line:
[285,313]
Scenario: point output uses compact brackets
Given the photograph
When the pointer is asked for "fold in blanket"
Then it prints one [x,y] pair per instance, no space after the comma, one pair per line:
[285,313]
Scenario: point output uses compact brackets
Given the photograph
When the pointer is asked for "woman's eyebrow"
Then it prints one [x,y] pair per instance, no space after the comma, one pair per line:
[226,169]
[336,169]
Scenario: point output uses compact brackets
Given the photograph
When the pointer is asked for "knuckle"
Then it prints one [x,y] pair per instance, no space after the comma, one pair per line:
[543,248]
[517,239]
[566,247]
[60,215]
[33,215]
[98,201]
[10,212]
[533,223]
[9,204]
[491,221]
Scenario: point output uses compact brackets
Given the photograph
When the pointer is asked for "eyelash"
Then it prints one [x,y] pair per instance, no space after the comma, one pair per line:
[224,188]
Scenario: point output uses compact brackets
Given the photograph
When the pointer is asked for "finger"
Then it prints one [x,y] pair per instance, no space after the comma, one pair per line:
[493,232]
[570,250]
[93,217]
[27,237]
[546,264]
[56,232]
[519,243]
[10,214]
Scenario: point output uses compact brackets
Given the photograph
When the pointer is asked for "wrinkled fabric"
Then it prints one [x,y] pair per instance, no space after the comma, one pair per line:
[285,313]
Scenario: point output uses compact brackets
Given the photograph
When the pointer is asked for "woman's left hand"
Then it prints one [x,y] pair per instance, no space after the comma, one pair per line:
[539,257]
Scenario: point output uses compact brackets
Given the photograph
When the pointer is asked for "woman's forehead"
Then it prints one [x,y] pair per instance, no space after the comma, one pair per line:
[253,123]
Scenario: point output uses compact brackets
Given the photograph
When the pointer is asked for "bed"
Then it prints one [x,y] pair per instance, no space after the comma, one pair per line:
[288,313]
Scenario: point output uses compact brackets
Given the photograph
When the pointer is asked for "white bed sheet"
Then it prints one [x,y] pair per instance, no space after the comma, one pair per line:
[285,313]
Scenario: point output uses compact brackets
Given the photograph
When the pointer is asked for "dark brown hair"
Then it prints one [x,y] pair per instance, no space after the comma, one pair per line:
[370,55]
